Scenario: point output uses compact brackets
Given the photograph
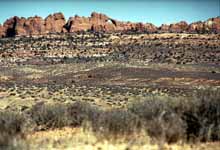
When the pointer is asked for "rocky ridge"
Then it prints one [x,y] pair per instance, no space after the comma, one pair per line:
[97,22]
[172,48]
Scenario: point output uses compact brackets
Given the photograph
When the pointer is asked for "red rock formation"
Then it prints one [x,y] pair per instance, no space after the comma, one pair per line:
[97,22]
[109,27]
[2,31]
[55,23]
[78,24]
[212,25]
[20,26]
[178,27]
[100,22]
[196,27]
[9,26]
[150,28]
[34,26]
[98,19]
[164,28]
[216,24]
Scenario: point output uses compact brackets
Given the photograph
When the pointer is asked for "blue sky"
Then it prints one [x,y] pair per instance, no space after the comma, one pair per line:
[154,11]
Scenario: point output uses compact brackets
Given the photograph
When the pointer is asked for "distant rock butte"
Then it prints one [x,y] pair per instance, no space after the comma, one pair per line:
[97,22]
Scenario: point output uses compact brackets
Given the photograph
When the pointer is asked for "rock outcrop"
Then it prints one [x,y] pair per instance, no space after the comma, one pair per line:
[21,26]
[78,24]
[9,26]
[55,23]
[174,28]
[178,27]
[196,27]
[213,25]
[2,31]
[97,22]
[17,26]
[31,26]
[164,28]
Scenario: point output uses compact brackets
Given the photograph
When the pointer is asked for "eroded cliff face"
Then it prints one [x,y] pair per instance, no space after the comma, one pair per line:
[16,26]
[212,25]
[56,23]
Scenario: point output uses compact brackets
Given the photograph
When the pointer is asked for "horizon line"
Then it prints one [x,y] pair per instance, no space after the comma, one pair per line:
[44,17]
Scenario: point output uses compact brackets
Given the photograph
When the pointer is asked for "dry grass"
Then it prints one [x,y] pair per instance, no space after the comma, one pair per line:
[156,119]
[77,138]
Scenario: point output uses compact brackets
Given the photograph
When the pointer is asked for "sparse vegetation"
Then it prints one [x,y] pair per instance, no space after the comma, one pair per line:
[81,112]
[114,86]
[12,127]
[116,123]
[49,116]
[159,119]
[196,118]
[203,116]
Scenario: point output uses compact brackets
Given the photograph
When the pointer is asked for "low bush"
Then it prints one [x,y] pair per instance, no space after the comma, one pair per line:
[159,119]
[203,116]
[116,123]
[49,116]
[11,125]
[81,112]
[194,118]
[149,109]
